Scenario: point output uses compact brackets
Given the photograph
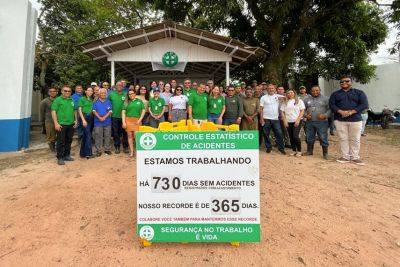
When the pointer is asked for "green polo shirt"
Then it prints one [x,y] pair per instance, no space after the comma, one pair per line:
[156,106]
[86,105]
[215,104]
[134,108]
[189,92]
[199,105]
[117,101]
[65,110]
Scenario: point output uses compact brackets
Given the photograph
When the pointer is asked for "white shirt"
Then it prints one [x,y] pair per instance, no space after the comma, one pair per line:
[178,101]
[270,104]
[292,111]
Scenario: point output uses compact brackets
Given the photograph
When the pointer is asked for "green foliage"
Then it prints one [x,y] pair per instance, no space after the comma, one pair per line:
[319,37]
[63,25]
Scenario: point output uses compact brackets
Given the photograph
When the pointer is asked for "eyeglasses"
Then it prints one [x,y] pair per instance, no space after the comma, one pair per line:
[178,89]
[131,94]
[67,91]
[345,81]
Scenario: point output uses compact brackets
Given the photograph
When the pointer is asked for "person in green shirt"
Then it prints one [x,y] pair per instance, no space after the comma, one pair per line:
[65,121]
[216,106]
[85,110]
[132,115]
[197,105]
[234,107]
[47,120]
[156,109]
[187,89]
[117,99]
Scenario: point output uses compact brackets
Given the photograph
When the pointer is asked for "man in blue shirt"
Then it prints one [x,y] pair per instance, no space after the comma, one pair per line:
[78,94]
[102,110]
[347,104]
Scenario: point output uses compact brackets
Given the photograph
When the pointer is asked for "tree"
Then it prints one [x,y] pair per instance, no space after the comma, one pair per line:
[63,25]
[330,37]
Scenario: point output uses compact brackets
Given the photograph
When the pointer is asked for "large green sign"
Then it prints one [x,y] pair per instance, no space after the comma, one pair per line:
[198,186]
[170,59]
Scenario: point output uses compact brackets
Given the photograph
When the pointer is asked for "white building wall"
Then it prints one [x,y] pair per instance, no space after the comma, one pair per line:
[382,91]
[17,49]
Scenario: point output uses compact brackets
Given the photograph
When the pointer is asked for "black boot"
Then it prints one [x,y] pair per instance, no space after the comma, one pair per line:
[52,147]
[325,152]
[310,150]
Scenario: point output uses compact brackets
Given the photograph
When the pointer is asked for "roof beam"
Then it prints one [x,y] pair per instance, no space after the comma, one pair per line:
[146,36]
[201,35]
[215,41]
[124,40]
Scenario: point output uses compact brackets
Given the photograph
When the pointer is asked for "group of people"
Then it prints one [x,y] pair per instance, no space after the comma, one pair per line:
[101,113]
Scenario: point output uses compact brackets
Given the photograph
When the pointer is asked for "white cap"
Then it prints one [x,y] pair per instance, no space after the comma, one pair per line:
[93,84]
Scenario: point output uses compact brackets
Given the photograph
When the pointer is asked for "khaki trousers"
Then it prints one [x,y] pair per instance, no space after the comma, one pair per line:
[349,138]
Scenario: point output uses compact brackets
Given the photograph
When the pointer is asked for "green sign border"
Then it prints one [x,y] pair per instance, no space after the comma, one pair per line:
[160,236]
[193,143]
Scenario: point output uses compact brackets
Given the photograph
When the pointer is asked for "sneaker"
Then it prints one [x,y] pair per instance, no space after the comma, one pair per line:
[359,162]
[343,160]
[282,152]
[126,150]
[293,153]
[299,154]
[60,162]
[269,150]
[68,158]
[98,154]
[108,152]
[117,151]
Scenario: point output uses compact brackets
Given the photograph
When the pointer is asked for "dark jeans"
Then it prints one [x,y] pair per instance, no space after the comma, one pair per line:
[145,121]
[64,141]
[317,127]
[229,121]
[86,141]
[275,126]
[212,117]
[285,134]
[118,131]
[154,123]
[79,128]
[260,132]
[331,124]
[294,132]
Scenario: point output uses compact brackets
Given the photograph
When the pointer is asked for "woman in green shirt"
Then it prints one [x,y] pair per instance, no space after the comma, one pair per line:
[156,109]
[216,106]
[85,109]
[133,112]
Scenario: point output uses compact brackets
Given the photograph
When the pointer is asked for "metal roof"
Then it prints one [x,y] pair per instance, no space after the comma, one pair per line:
[100,49]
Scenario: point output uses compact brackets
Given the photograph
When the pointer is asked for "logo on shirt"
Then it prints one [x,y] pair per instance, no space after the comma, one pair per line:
[219,100]
[123,97]
[233,101]
[73,104]
[148,141]
[159,104]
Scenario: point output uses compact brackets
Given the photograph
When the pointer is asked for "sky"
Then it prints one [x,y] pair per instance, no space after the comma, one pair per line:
[382,55]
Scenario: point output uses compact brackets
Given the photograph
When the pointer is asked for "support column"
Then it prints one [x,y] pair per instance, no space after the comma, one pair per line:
[227,74]
[112,73]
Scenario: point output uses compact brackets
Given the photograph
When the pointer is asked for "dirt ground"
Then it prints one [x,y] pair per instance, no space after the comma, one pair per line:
[313,212]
